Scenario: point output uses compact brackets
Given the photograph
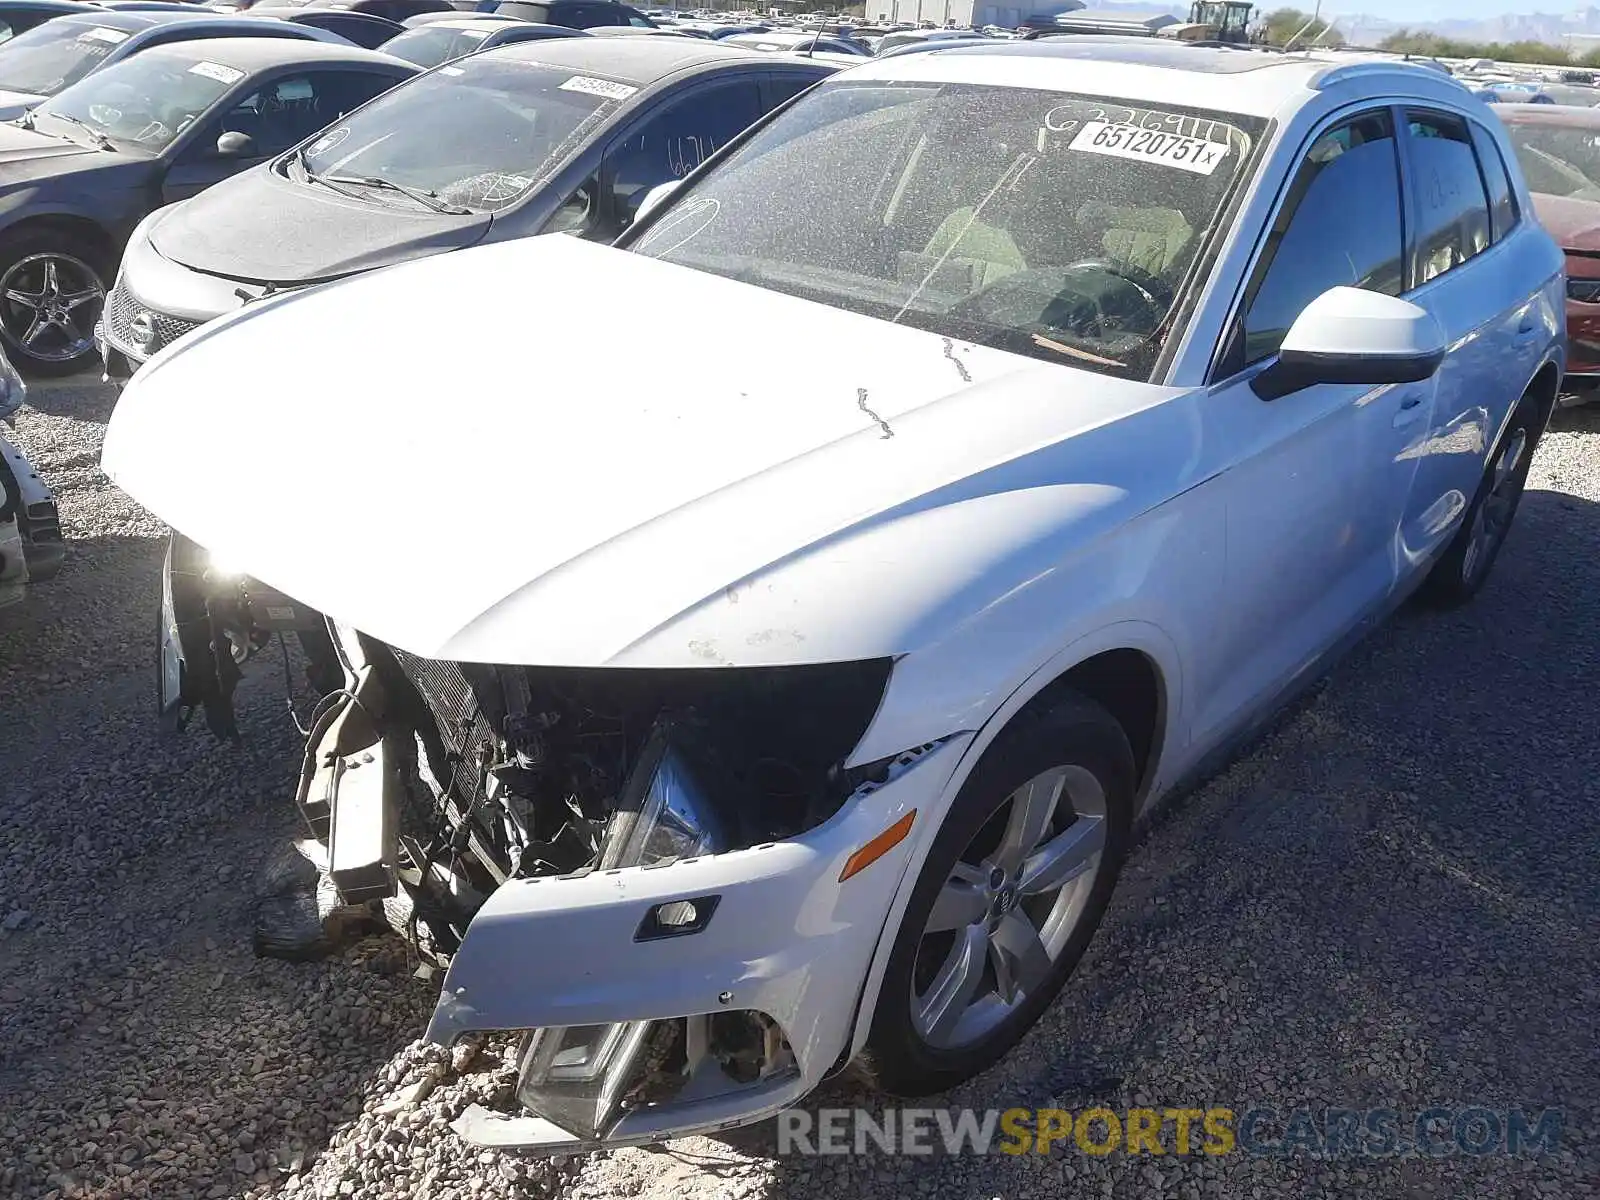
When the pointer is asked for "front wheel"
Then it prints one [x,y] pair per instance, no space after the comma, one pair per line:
[51,294]
[1012,891]
[1463,569]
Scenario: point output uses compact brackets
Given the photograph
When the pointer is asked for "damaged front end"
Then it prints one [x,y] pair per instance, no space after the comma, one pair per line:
[637,871]
[31,547]
[213,621]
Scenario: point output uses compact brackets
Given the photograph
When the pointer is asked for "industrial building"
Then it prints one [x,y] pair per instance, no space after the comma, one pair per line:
[1007,14]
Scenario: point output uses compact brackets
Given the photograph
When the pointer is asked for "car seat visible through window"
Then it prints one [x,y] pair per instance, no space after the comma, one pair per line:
[1151,240]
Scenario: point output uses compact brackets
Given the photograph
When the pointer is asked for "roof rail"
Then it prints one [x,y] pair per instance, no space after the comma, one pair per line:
[1339,72]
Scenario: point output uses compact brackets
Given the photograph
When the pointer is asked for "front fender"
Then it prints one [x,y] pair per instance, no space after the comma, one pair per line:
[784,933]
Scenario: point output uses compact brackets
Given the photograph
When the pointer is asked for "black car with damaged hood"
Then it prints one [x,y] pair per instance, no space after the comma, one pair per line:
[82,169]
[563,136]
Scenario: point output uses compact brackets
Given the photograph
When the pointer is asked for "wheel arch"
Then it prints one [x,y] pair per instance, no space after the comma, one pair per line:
[98,238]
[1133,670]
[1546,386]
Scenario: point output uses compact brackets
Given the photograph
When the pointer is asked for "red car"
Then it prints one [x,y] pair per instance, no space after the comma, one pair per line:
[1559,149]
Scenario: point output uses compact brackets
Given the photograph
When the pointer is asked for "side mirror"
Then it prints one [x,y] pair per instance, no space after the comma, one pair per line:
[654,197]
[1347,335]
[234,144]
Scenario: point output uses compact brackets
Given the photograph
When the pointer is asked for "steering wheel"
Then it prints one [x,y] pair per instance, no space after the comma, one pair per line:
[1152,289]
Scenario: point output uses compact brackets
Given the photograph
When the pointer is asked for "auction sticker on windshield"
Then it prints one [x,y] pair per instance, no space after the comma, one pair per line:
[101,34]
[222,74]
[610,89]
[1151,145]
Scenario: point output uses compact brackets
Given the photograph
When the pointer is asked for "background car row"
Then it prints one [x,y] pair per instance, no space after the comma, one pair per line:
[119,114]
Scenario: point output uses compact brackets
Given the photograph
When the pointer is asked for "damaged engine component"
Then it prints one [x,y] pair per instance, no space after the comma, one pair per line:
[213,621]
[493,773]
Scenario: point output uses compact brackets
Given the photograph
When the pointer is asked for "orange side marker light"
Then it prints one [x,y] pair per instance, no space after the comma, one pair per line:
[878,846]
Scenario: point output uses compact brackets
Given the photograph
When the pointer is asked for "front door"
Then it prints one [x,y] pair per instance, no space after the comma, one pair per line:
[1318,480]
[279,114]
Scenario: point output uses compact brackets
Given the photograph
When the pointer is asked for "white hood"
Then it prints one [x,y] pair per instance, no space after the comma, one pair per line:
[551,452]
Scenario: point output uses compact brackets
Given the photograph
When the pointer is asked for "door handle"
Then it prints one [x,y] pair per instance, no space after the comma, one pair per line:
[1410,411]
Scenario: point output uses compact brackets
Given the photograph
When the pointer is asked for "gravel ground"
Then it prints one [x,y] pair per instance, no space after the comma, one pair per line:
[1391,902]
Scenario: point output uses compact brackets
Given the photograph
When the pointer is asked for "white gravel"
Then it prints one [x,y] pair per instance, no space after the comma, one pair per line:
[1392,901]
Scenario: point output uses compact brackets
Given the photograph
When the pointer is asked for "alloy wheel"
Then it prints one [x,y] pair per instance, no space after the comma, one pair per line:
[1009,907]
[48,306]
[1492,520]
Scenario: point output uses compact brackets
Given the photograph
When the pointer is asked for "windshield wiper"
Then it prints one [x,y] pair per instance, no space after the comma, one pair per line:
[422,196]
[313,177]
[101,141]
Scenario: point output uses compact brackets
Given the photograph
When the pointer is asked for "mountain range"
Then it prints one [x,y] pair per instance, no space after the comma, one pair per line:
[1370,29]
[1554,28]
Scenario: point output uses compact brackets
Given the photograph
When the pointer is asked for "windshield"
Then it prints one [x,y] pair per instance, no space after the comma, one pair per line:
[58,53]
[478,134]
[1558,160]
[1057,226]
[144,101]
[433,44]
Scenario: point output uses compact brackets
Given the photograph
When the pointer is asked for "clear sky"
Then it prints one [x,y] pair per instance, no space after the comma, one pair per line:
[1433,10]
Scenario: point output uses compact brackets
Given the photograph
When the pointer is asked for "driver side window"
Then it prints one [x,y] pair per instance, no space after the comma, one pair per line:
[1339,225]
[676,139]
[286,111]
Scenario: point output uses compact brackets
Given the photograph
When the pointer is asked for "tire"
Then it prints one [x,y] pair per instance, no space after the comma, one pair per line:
[1464,567]
[52,288]
[916,1047]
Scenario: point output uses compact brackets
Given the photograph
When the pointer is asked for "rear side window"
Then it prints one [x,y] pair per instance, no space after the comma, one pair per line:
[539,13]
[1502,198]
[1340,226]
[591,16]
[1449,202]
[779,88]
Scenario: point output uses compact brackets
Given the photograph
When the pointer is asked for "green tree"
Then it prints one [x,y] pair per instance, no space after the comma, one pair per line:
[1433,46]
[1278,26]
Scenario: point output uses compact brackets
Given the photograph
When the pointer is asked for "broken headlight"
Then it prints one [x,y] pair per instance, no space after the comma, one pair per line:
[575,1076]
[580,1076]
[662,813]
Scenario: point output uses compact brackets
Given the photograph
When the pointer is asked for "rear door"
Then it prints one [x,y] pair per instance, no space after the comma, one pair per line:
[1463,265]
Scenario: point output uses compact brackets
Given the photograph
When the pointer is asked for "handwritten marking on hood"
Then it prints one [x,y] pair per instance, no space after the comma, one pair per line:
[861,403]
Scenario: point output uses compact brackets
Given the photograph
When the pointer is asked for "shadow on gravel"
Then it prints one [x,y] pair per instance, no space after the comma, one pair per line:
[1577,418]
[111,585]
[1389,903]
[84,397]
[141,1042]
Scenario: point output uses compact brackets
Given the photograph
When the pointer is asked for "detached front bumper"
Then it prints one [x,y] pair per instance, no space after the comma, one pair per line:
[31,547]
[773,936]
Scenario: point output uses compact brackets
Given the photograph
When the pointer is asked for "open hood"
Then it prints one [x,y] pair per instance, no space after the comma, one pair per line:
[526,453]
[259,227]
[1573,223]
